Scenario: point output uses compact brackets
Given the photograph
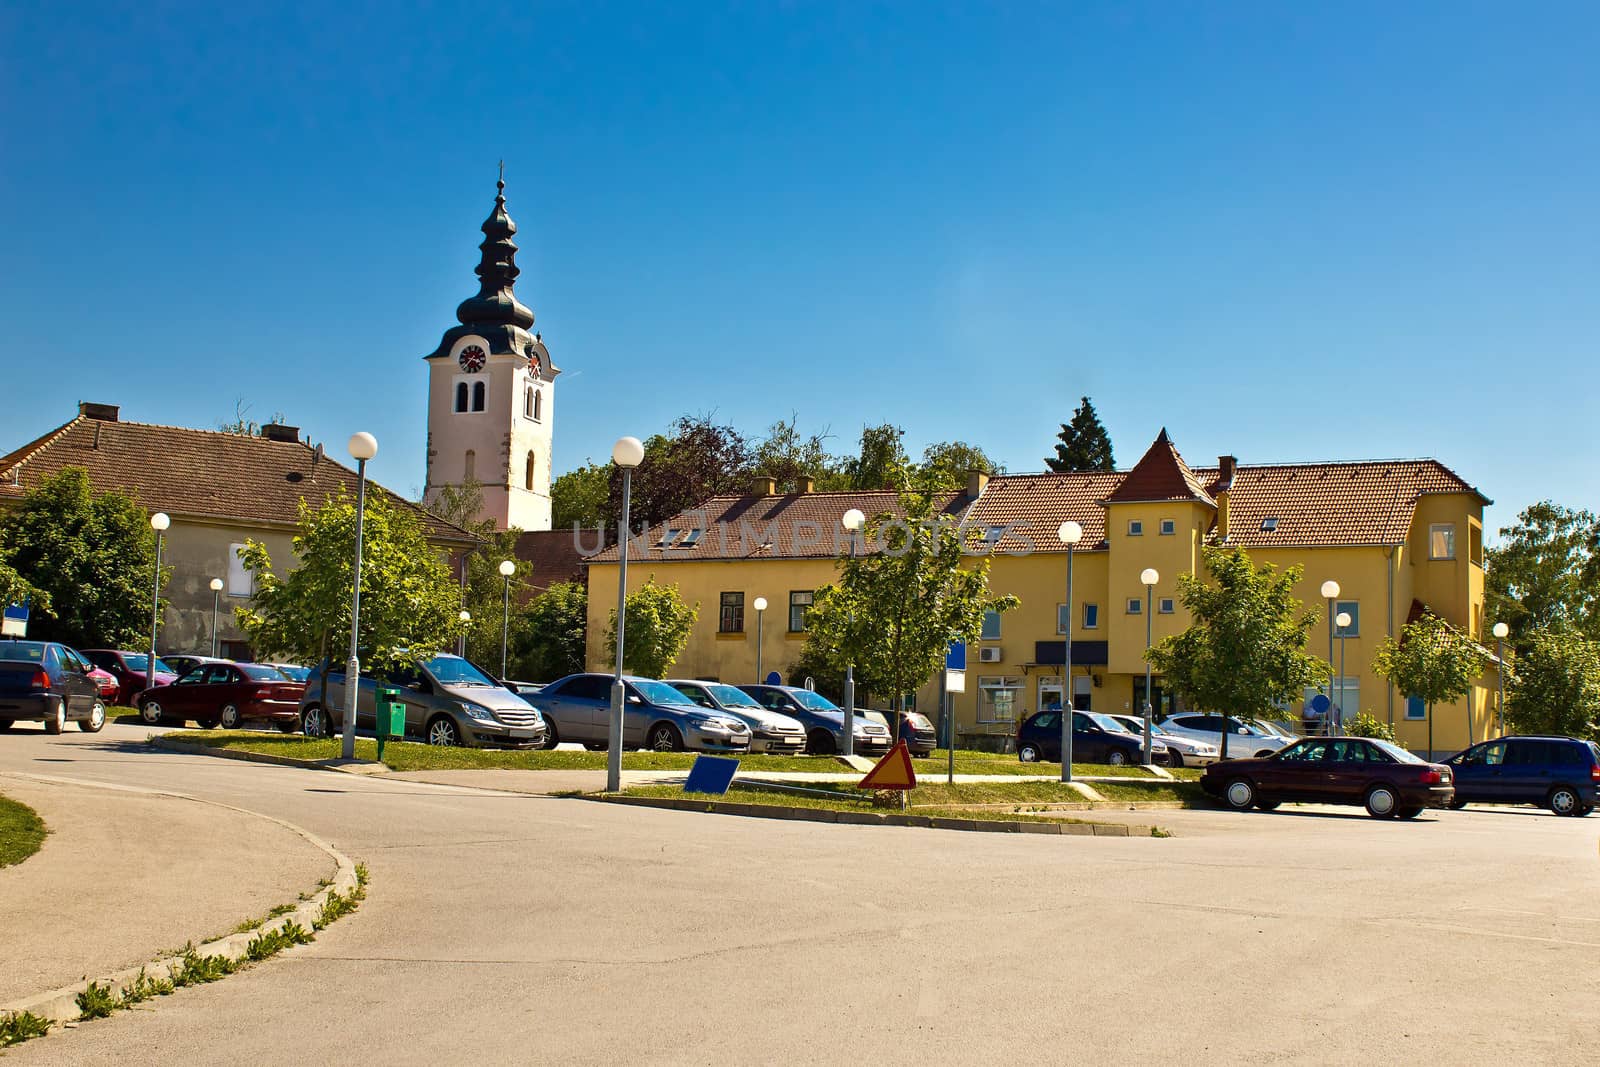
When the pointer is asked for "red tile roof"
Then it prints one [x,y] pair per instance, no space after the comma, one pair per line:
[198,473]
[1161,474]
[552,556]
[1032,508]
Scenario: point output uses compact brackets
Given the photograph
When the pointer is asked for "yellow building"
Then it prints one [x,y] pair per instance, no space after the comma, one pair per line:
[1398,536]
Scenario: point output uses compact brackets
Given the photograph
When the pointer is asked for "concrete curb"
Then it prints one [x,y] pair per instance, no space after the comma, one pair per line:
[872,818]
[343,766]
[61,1005]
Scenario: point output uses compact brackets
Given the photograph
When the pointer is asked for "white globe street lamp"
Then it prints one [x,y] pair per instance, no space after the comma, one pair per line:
[216,601]
[461,642]
[159,522]
[362,447]
[627,454]
[760,604]
[1070,534]
[1501,631]
[852,520]
[1330,592]
[508,567]
[1149,577]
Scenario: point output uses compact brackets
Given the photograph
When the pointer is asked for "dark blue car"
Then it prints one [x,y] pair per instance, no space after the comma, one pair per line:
[1559,773]
[1095,739]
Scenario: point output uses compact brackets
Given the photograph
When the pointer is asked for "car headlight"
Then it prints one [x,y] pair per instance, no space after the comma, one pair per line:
[716,726]
[479,712]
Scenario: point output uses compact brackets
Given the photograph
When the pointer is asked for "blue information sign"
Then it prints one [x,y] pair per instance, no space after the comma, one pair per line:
[711,774]
[956,658]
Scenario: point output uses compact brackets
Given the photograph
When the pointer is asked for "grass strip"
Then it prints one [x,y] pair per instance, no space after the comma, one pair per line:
[21,832]
[1001,800]
[19,1026]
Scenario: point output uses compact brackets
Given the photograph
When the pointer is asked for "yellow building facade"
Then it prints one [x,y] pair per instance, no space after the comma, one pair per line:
[1398,536]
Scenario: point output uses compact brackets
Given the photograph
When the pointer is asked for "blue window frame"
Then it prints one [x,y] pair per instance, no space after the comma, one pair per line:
[1415,708]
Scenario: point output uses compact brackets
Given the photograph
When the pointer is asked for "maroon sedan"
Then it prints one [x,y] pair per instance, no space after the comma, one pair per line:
[226,695]
[1385,778]
[129,669]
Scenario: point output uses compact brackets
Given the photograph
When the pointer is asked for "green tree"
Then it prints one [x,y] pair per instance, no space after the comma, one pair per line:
[658,628]
[243,425]
[895,609]
[91,555]
[698,460]
[1366,724]
[14,589]
[1083,444]
[549,634]
[881,462]
[483,593]
[947,463]
[786,455]
[409,600]
[1430,661]
[582,497]
[1545,573]
[1556,689]
[1245,653]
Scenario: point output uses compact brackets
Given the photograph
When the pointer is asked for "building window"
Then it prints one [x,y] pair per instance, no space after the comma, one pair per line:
[527,474]
[1091,616]
[1346,698]
[538,405]
[997,699]
[469,465]
[799,608]
[461,396]
[1475,543]
[1415,708]
[1135,606]
[1269,524]
[477,396]
[991,626]
[1062,618]
[1168,527]
[240,581]
[1442,540]
[1165,605]
[1351,608]
[732,619]
[1135,528]
[527,403]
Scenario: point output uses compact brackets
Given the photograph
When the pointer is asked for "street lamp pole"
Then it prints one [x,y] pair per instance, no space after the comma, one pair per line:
[1330,591]
[159,523]
[1149,576]
[216,601]
[627,454]
[461,642]
[852,521]
[760,604]
[1070,533]
[1343,621]
[507,569]
[1500,632]
[363,446]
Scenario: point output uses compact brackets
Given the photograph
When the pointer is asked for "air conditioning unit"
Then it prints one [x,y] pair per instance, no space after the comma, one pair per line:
[988,655]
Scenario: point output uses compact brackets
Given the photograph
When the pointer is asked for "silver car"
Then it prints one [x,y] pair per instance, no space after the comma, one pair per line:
[770,731]
[657,716]
[448,702]
[1181,751]
[1244,740]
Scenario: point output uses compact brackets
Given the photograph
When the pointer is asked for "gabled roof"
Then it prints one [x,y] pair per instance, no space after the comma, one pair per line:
[198,473]
[1033,506]
[1160,475]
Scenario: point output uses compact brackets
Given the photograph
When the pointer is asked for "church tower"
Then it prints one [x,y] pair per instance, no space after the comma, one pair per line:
[491,391]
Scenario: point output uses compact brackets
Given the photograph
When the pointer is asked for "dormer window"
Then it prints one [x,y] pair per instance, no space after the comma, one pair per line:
[1269,524]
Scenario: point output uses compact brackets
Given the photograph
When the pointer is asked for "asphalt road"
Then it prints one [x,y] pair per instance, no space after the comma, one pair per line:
[509,929]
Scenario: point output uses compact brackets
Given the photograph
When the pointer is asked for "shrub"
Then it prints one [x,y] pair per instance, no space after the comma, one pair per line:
[1366,724]
[19,1026]
[96,1002]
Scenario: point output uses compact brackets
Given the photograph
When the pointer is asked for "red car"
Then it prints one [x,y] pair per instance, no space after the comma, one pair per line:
[1385,778]
[129,669]
[226,695]
[106,682]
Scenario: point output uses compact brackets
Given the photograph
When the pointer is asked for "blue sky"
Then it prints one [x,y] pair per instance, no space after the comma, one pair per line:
[1283,231]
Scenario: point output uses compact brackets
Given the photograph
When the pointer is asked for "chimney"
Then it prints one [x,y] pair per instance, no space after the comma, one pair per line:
[277,431]
[102,412]
[1226,466]
[805,484]
[977,482]
[766,487]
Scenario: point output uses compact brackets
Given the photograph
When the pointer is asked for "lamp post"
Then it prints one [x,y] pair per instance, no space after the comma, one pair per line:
[508,567]
[216,601]
[760,604]
[363,446]
[627,454]
[1149,576]
[853,520]
[1070,533]
[1500,632]
[159,523]
[1341,620]
[1330,590]
[461,642]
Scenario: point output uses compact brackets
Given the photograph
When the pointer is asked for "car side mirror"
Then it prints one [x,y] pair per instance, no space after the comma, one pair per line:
[634,698]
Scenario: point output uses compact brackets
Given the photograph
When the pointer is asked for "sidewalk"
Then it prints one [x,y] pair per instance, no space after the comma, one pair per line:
[128,874]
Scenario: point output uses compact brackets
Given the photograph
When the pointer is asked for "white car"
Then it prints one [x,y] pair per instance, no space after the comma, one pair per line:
[1181,751]
[770,731]
[1244,739]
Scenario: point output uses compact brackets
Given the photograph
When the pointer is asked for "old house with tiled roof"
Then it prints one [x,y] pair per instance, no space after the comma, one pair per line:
[1392,533]
[220,489]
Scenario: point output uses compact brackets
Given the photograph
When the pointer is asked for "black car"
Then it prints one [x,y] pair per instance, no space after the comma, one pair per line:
[1559,773]
[41,681]
[823,720]
[1093,740]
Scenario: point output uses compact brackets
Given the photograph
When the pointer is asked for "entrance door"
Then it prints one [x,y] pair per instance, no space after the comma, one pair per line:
[1162,703]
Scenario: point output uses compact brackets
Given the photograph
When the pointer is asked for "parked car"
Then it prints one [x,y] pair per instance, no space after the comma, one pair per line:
[295,672]
[448,701]
[226,695]
[919,733]
[183,662]
[1559,773]
[130,669]
[105,681]
[654,715]
[1096,738]
[1384,777]
[823,720]
[1181,751]
[1243,738]
[770,731]
[42,681]
[522,689]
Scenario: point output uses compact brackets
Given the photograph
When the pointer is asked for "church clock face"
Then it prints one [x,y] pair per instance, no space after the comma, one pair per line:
[533,364]
[471,359]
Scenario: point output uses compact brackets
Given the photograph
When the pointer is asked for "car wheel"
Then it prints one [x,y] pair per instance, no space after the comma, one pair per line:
[1174,758]
[96,719]
[443,731]
[1586,809]
[1457,805]
[821,743]
[1240,795]
[1564,800]
[551,737]
[1381,802]
[150,713]
[664,737]
[1117,758]
[1410,811]
[57,720]
[1029,753]
[314,721]
[229,718]
[1267,805]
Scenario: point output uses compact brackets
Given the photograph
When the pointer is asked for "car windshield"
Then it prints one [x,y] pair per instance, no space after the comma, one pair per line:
[1270,728]
[136,662]
[453,670]
[260,672]
[813,701]
[295,674]
[1106,722]
[1397,752]
[729,697]
[661,693]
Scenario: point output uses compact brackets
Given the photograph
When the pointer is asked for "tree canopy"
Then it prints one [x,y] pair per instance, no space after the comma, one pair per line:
[1556,687]
[547,636]
[657,629]
[1082,444]
[1545,574]
[1430,661]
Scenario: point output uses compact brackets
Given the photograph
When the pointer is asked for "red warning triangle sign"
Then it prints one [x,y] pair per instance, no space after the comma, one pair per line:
[893,771]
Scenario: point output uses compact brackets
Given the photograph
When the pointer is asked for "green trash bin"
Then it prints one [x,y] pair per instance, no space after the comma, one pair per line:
[389,716]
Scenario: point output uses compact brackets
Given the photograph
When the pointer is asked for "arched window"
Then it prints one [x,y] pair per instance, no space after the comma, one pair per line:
[469,465]
[527,404]
[477,396]
[461,396]
[538,404]
[527,477]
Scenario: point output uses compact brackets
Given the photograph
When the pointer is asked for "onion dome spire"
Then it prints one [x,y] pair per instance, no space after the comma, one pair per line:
[497,272]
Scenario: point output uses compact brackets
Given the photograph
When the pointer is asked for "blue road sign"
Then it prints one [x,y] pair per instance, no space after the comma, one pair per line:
[1320,703]
[15,621]
[711,774]
[956,658]
[774,678]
